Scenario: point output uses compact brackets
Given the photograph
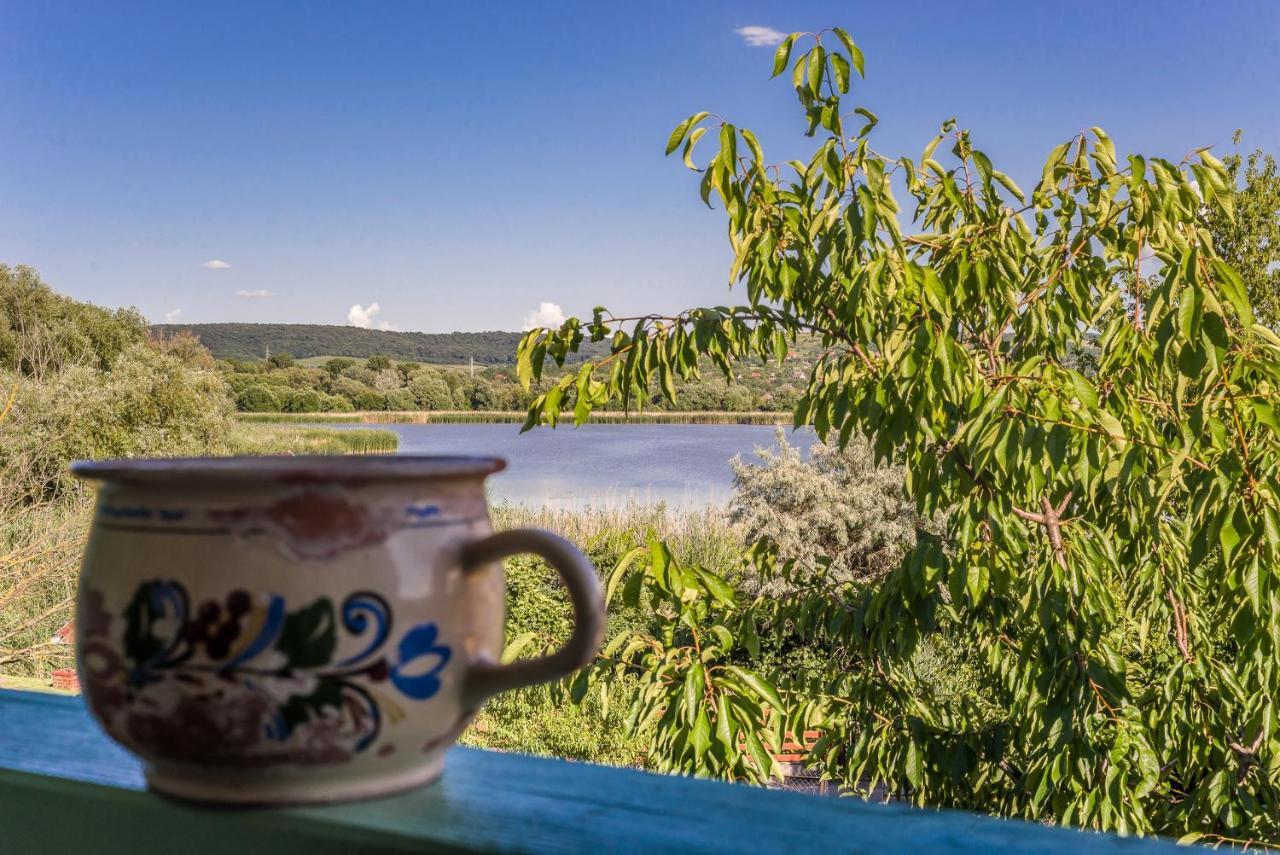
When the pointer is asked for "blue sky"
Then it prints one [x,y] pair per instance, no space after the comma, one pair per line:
[460,164]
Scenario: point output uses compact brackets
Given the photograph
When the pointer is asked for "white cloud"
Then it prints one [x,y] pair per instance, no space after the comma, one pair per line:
[256,294]
[546,315]
[362,317]
[757,36]
[216,264]
[172,317]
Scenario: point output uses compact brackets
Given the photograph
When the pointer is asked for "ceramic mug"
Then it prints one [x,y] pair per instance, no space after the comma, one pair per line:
[303,629]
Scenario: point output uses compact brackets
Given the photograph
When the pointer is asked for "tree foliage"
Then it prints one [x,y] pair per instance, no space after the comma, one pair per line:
[1107,570]
[82,381]
[42,332]
[1250,239]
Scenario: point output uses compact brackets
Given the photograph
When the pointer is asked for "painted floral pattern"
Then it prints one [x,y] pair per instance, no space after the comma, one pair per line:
[249,680]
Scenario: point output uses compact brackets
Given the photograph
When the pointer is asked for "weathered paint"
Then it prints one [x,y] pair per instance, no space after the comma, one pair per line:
[65,788]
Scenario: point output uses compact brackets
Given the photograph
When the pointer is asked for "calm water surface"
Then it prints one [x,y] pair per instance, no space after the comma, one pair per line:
[602,465]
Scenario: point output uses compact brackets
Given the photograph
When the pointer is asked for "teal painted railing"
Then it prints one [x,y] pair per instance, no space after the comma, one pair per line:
[65,788]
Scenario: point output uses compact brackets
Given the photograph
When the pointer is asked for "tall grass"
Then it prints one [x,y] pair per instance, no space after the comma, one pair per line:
[422,417]
[700,535]
[255,439]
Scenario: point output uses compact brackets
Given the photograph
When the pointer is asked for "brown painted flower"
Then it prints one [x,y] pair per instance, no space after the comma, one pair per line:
[312,523]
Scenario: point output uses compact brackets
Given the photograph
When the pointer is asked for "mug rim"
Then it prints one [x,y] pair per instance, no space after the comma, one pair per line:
[303,467]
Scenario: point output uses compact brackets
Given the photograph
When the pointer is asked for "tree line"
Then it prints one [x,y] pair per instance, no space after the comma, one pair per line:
[255,341]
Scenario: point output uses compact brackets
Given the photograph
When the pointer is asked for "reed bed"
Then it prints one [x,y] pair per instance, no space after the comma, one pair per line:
[422,417]
[279,439]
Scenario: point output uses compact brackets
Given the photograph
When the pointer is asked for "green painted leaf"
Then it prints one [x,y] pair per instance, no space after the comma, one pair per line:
[322,701]
[308,636]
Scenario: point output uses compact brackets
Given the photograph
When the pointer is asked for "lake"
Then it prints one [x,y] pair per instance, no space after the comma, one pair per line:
[602,465]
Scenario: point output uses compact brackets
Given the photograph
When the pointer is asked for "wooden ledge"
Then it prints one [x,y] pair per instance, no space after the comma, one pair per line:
[65,788]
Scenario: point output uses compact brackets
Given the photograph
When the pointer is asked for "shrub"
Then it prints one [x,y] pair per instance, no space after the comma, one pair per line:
[387,380]
[369,399]
[839,506]
[348,389]
[361,375]
[304,401]
[258,399]
[334,367]
[186,348]
[148,404]
[479,395]
[400,399]
[430,391]
[337,404]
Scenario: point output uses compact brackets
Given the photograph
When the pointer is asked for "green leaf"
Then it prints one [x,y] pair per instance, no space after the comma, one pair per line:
[976,581]
[840,66]
[1111,425]
[1008,184]
[1228,537]
[1265,412]
[750,636]
[1252,586]
[725,727]
[719,588]
[817,65]
[694,684]
[783,55]
[762,687]
[631,591]
[914,765]
[677,135]
[701,735]
[855,53]
[620,571]
[1233,288]
[688,148]
[764,762]
[516,645]
[578,688]
[757,152]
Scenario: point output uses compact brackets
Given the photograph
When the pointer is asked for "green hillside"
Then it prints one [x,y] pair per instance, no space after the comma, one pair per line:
[250,341]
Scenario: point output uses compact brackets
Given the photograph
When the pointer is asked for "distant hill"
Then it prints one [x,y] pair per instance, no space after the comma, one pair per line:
[250,341]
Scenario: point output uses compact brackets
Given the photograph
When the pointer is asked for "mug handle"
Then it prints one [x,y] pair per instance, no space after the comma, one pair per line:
[486,678]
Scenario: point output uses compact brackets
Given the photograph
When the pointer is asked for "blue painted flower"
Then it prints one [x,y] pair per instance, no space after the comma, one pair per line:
[418,643]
